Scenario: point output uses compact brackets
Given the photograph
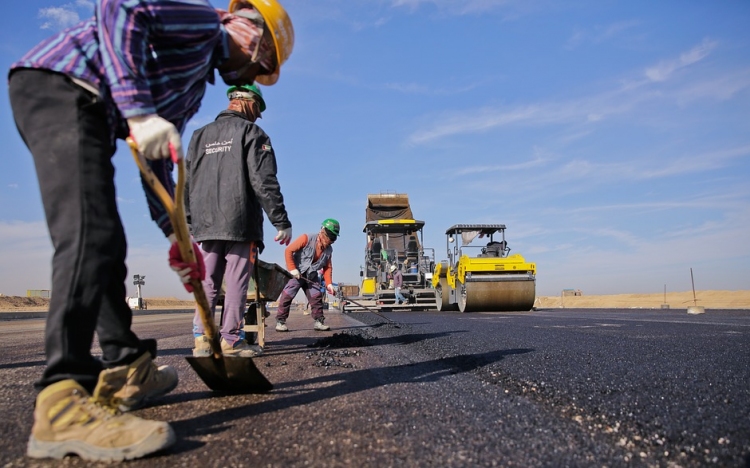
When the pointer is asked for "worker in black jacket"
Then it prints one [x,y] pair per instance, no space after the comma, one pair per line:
[231,180]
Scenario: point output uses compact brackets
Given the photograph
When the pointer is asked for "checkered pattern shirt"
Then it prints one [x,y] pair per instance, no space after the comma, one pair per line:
[144,57]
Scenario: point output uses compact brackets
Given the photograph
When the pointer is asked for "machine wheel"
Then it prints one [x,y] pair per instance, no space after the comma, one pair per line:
[442,297]
[496,297]
[439,299]
[462,299]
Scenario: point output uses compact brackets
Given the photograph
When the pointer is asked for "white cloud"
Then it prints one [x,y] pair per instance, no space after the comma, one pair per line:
[697,163]
[646,264]
[408,88]
[536,162]
[721,88]
[616,29]
[729,200]
[599,34]
[620,237]
[664,70]
[58,17]
[417,88]
[64,16]
[591,109]
[509,8]
[475,121]
[467,4]
[580,174]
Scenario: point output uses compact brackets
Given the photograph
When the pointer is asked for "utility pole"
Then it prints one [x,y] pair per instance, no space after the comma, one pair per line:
[139,281]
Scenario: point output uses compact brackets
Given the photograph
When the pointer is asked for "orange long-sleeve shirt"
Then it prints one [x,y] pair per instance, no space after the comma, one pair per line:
[298,244]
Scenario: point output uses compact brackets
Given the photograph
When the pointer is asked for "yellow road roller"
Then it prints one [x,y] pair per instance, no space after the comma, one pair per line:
[483,276]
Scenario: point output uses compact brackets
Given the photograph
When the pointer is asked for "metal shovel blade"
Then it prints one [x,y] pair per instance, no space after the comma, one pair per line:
[230,374]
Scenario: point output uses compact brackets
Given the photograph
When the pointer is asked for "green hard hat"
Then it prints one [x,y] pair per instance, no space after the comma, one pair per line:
[242,90]
[332,226]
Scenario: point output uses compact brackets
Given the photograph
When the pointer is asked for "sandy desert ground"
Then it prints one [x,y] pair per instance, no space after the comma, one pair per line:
[35,304]
[675,300]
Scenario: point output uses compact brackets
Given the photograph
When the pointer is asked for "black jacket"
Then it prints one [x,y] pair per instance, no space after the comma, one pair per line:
[231,174]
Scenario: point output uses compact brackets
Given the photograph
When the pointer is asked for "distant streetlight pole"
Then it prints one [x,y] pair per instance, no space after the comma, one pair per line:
[138,281]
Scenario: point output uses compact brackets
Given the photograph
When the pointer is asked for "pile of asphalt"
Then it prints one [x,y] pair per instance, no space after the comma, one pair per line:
[330,358]
[347,339]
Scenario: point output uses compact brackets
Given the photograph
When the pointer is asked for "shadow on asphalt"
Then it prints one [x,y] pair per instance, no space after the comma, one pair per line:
[174,352]
[329,386]
[17,365]
[411,338]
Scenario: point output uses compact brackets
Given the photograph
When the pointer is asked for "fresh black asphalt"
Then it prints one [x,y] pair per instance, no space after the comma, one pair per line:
[558,387]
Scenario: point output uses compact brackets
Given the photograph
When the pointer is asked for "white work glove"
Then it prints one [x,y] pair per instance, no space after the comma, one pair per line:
[330,289]
[153,135]
[284,236]
[294,273]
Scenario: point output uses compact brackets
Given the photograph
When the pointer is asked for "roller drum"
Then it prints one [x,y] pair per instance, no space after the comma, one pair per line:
[503,296]
[442,297]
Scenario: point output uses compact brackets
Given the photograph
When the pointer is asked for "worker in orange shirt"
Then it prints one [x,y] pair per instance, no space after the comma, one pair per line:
[308,254]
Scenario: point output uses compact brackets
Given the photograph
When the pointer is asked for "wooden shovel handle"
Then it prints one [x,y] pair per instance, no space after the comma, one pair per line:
[176,211]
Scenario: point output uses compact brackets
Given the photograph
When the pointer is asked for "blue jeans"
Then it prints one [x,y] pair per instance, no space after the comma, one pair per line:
[399,296]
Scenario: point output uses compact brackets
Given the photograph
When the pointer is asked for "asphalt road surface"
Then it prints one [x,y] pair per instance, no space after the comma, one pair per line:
[544,388]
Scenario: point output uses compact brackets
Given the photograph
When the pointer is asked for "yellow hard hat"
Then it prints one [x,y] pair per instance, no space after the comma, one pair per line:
[279,24]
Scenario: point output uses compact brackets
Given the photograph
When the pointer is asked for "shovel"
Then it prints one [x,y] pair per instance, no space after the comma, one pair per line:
[219,373]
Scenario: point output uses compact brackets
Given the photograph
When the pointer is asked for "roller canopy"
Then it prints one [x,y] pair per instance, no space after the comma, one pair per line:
[389,226]
[484,229]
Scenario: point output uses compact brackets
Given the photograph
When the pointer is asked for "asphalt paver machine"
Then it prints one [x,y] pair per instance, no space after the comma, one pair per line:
[398,242]
[394,238]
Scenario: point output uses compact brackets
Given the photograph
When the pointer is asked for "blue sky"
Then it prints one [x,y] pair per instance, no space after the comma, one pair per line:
[611,137]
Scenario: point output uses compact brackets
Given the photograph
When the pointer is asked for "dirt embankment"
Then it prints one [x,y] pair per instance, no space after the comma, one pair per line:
[675,300]
[21,302]
[168,303]
[35,304]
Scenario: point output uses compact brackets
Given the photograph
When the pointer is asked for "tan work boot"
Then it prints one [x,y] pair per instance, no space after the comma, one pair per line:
[145,382]
[240,349]
[320,325]
[202,347]
[67,420]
